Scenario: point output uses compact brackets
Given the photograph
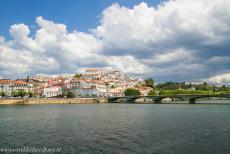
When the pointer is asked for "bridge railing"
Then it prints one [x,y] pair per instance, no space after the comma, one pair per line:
[158,98]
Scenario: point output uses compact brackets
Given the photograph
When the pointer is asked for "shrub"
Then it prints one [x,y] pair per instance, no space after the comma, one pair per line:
[132,92]
[70,94]
[152,92]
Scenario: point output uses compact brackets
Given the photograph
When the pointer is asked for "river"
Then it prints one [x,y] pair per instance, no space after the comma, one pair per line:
[118,128]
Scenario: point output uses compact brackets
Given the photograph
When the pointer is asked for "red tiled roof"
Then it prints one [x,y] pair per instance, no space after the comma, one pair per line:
[2,81]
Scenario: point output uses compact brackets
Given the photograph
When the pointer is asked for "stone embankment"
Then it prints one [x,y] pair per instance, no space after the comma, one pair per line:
[53,101]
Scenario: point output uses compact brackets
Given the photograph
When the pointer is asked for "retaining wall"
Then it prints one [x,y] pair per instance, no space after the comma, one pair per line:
[54,101]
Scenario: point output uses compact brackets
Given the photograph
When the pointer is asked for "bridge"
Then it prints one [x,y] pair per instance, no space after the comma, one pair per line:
[158,99]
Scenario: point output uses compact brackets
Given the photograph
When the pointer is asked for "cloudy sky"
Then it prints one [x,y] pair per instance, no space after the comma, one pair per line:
[177,40]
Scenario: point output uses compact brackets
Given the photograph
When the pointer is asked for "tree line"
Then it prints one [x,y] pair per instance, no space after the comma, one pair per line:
[19,93]
[173,88]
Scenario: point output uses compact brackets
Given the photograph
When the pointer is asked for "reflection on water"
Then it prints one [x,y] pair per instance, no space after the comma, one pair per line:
[118,128]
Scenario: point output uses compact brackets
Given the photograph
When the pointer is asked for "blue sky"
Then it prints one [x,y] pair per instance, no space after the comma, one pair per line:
[176,40]
[77,14]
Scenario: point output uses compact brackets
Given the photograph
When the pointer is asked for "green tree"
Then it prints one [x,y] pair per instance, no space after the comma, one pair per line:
[18,93]
[14,93]
[225,88]
[132,92]
[149,82]
[152,93]
[78,76]
[205,86]
[21,93]
[183,92]
[30,93]
[168,86]
[70,94]
[2,93]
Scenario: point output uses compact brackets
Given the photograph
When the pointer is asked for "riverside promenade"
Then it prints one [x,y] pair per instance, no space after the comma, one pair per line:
[53,101]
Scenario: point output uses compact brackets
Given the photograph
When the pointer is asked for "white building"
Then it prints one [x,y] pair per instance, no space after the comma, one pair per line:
[8,86]
[116,92]
[91,88]
[52,91]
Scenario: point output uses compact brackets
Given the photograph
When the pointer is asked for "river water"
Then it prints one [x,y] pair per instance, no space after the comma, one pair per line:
[118,128]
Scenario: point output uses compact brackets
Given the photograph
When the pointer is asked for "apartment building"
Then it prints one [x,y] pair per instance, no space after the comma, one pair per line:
[8,86]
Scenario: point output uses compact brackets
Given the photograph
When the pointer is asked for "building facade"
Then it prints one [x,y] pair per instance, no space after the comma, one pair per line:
[9,86]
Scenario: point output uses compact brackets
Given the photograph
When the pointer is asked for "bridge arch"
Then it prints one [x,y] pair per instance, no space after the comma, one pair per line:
[158,99]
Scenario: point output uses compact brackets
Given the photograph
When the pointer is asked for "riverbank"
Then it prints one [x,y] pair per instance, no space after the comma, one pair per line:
[54,101]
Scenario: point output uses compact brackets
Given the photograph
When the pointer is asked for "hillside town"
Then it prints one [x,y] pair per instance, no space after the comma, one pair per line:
[99,82]
[94,82]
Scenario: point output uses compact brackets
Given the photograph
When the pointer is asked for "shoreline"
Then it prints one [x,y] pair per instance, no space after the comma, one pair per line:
[99,100]
[34,101]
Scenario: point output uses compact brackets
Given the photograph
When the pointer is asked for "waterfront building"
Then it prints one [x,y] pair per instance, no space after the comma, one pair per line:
[91,88]
[116,92]
[88,92]
[8,86]
[52,91]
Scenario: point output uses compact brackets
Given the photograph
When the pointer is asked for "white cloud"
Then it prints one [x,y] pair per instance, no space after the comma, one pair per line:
[148,29]
[221,78]
[128,64]
[2,39]
[218,59]
[19,31]
[171,56]
[51,50]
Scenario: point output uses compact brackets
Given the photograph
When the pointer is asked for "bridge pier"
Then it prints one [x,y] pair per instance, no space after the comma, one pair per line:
[130,100]
[192,101]
[157,101]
